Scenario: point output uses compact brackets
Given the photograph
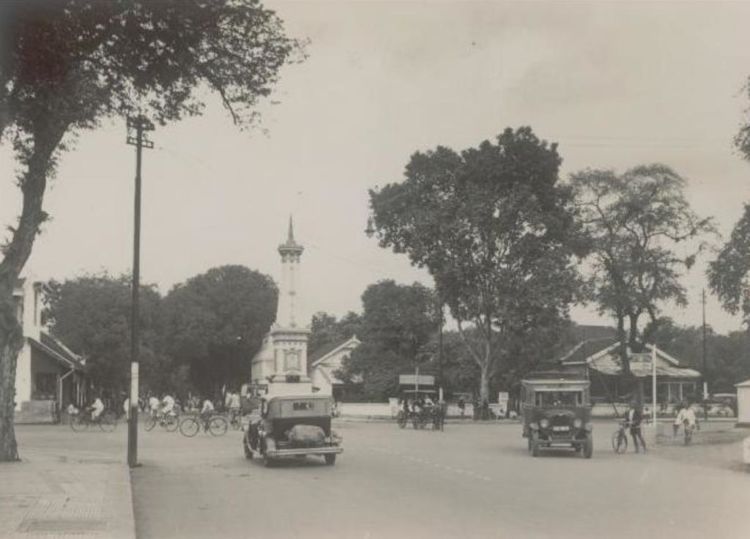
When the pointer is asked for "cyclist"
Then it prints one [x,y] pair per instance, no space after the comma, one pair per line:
[206,412]
[96,408]
[153,405]
[167,405]
[687,418]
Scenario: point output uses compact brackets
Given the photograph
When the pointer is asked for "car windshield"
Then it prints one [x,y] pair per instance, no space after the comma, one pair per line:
[559,398]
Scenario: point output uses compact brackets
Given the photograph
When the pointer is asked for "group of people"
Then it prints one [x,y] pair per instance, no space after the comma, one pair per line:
[685,418]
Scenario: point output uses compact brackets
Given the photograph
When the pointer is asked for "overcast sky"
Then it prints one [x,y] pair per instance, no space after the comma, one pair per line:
[617,84]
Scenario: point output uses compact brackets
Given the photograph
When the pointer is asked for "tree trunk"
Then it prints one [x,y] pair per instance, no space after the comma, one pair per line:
[623,349]
[38,161]
[633,335]
[11,341]
[484,383]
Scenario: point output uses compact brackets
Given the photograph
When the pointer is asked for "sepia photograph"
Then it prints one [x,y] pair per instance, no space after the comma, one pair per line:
[363,269]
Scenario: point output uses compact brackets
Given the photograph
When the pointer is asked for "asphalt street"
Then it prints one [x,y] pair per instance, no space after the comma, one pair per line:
[473,480]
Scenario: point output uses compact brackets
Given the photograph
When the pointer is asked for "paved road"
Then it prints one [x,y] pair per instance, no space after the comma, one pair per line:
[470,481]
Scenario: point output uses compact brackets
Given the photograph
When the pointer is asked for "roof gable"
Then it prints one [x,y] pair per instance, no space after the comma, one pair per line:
[324,353]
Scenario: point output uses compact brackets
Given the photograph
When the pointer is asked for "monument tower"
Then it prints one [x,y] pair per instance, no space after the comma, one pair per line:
[281,362]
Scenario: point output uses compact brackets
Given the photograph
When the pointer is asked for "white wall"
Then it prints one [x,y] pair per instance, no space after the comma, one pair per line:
[743,405]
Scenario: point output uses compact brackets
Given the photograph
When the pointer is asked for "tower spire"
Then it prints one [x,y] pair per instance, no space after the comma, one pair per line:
[290,238]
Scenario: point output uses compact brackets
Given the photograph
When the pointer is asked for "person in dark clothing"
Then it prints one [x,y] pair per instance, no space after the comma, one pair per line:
[634,417]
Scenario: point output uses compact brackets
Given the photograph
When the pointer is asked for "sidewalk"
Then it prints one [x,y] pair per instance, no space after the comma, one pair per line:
[48,495]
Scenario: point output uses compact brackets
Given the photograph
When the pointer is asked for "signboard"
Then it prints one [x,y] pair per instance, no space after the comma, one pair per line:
[416,379]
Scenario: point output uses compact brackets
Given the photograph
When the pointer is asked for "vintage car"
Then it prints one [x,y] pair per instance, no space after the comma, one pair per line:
[556,412]
[293,426]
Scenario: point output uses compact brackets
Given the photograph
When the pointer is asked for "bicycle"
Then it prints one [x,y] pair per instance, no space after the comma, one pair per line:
[235,419]
[689,430]
[168,422]
[620,438]
[190,426]
[106,421]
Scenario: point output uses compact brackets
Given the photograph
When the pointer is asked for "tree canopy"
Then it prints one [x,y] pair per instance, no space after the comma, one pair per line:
[215,322]
[496,230]
[635,222]
[397,321]
[65,65]
[91,315]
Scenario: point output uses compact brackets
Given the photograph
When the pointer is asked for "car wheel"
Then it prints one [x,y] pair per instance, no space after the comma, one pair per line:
[330,459]
[268,462]
[534,445]
[588,447]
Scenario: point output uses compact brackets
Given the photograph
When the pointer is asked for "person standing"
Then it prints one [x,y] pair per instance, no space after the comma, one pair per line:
[678,420]
[634,417]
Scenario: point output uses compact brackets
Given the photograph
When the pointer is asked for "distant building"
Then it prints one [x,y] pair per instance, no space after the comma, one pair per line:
[49,376]
[599,360]
[743,404]
[325,362]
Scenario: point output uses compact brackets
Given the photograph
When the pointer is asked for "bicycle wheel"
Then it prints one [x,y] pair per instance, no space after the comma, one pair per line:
[107,422]
[150,423]
[189,427]
[217,426]
[78,423]
[619,442]
[170,423]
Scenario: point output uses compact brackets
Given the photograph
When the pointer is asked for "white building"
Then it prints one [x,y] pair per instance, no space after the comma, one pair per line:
[49,376]
[281,363]
[324,364]
[743,404]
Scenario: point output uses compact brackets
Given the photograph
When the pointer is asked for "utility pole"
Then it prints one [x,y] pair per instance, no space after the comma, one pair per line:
[136,125]
[705,384]
[440,353]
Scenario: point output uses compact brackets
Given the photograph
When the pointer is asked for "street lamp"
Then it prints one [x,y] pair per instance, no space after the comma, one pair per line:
[370,230]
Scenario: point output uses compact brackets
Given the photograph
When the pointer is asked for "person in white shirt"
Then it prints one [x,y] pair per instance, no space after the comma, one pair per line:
[167,405]
[126,407]
[97,408]
[678,420]
[153,405]
[207,411]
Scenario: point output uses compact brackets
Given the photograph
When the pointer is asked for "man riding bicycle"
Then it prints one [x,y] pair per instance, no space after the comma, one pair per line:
[206,412]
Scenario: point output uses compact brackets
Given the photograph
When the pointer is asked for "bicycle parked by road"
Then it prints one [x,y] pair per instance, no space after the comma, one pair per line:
[217,425]
[107,421]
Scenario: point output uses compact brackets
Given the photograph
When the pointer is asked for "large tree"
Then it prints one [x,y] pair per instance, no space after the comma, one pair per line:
[91,315]
[640,225]
[497,232]
[215,323]
[68,64]
[397,322]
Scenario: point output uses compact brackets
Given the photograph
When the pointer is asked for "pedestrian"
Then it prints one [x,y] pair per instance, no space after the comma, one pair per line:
[634,417]
[126,408]
[462,406]
[677,420]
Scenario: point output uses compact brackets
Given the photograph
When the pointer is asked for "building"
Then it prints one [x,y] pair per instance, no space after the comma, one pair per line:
[599,361]
[743,404]
[325,362]
[281,363]
[49,376]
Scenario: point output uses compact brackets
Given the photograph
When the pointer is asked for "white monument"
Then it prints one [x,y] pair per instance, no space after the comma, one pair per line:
[281,363]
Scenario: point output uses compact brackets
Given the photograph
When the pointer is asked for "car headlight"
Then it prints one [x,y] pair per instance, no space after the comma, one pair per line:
[577,423]
[544,423]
